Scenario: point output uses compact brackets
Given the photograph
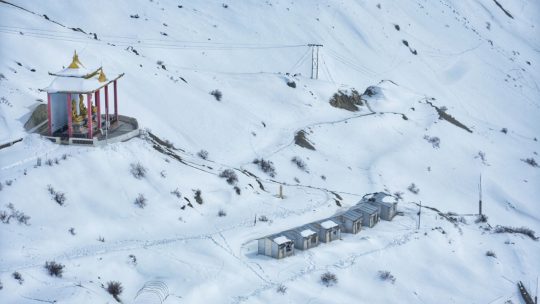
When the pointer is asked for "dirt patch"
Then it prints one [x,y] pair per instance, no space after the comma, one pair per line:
[347,100]
[301,140]
[38,116]
[445,116]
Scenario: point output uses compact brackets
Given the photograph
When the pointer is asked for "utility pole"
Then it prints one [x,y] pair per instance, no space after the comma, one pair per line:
[419,215]
[480,196]
[314,60]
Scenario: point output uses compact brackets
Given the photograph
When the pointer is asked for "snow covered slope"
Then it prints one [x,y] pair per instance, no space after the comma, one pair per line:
[472,60]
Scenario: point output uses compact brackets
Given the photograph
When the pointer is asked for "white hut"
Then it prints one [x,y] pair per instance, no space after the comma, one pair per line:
[350,221]
[386,203]
[303,237]
[277,246]
[370,214]
[328,230]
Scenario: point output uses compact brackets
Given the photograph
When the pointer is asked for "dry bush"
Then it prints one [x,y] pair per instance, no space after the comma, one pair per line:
[54,269]
[140,201]
[266,166]
[217,94]
[386,275]
[138,170]
[230,176]
[328,279]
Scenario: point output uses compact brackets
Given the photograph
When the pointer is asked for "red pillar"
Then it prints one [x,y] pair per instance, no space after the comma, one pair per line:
[70,113]
[107,105]
[89,111]
[98,105]
[115,101]
[49,116]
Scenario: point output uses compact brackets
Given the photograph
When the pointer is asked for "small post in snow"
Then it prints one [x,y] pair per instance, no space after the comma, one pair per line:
[419,215]
[281,191]
[480,196]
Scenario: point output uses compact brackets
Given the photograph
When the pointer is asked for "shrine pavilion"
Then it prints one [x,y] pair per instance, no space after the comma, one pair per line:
[75,112]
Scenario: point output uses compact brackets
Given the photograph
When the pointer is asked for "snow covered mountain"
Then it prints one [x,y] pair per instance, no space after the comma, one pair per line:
[457,97]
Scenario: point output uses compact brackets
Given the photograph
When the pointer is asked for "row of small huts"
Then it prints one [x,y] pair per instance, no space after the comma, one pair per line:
[365,213]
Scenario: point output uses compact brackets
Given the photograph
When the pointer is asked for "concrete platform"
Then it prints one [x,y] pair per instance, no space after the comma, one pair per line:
[124,129]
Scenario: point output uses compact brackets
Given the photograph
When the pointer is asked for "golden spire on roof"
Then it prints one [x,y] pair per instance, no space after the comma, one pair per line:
[102,77]
[75,63]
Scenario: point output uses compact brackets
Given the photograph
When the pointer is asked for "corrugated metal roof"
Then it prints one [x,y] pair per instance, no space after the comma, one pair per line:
[367,208]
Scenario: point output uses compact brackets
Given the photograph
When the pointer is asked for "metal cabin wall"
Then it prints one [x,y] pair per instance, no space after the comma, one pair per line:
[58,111]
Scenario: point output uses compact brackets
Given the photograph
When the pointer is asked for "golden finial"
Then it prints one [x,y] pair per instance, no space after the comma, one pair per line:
[75,63]
[102,77]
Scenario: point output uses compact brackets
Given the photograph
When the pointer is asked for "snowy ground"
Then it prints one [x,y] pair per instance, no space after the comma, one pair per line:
[471,58]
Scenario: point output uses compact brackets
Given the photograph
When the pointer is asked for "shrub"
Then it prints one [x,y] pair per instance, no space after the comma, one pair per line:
[17,276]
[300,163]
[49,162]
[1,286]
[385,275]
[413,188]
[263,218]
[140,201]
[198,197]
[9,182]
[72,231]
[54,269]
[138,171]
[217,94]
[222,213]
[266,166]
[114,288]
[521,230]
[60,198]
[490,253]
[101,239]
[203,154]
[237,190]
[531,161]
[14,213]
[328,279]
[230,176]
[282,289]
[176,193]
[504,130]
[291,84]
[398,195]
[434,141]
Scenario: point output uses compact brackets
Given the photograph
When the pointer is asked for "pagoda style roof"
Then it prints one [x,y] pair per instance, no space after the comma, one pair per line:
[78,79]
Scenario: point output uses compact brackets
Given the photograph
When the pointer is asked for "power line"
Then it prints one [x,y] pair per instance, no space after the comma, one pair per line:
[300,61]
[327,69]
[145,43]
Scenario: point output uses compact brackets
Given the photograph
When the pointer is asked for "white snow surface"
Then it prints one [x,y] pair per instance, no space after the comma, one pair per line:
[472,60]
[307,232]
[281,240]
[328,224]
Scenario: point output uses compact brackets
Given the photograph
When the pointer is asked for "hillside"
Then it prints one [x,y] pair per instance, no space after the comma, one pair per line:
[456,98]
